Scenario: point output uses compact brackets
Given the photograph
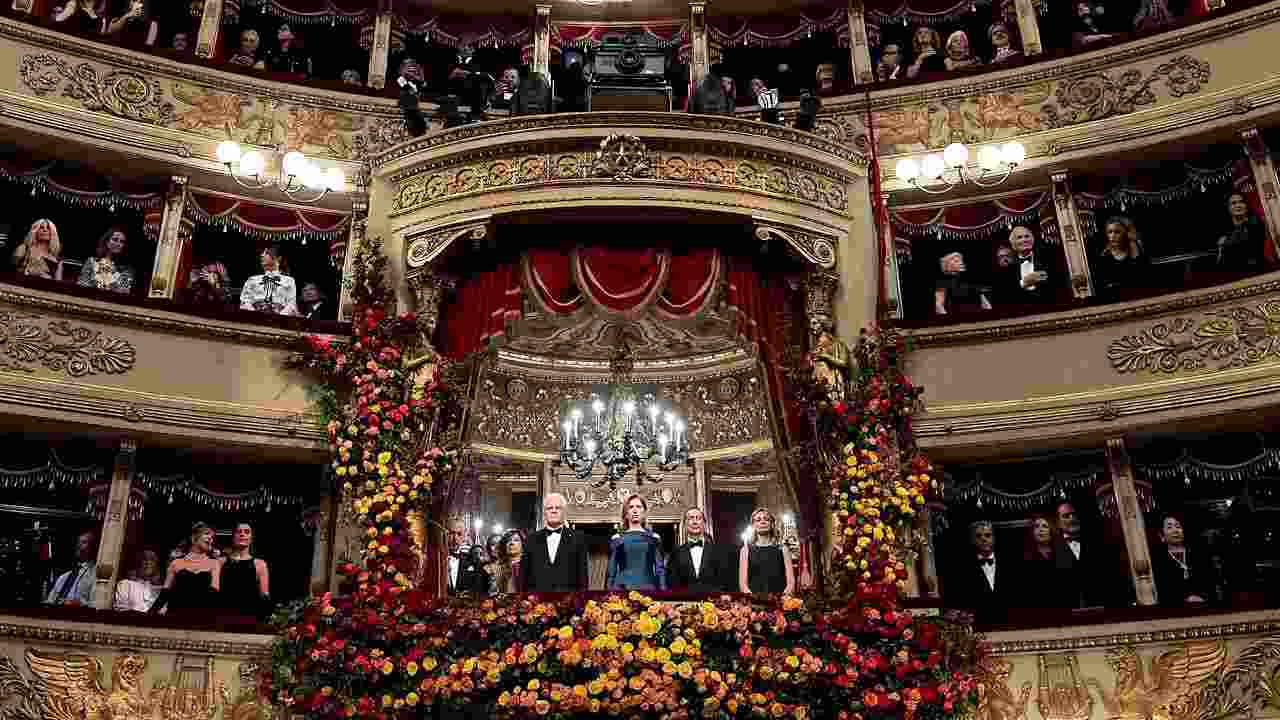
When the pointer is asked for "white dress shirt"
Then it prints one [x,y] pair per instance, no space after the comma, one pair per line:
[989,569]
[1075,547]
[455,562]
[135,595]
[283,296]
[81,580]
[553,543]
[695,553]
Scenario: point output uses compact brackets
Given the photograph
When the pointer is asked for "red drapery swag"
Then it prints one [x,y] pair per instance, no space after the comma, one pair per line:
[622,280]
[270,223]
[480,309]
[975,221]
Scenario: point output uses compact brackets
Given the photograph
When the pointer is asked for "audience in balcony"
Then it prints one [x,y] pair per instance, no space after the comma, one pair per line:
[1122,261]
[193,578]
[247,54]
[1039,563]
[955,292]
[40,251]
[986,583]
[86,17]
[926,45]
[1030,271]
[75,586]
[104,270]
[351,76]
[287,56]
[245,583]
[700,565]
[136,27]
[763,563]
[890,65]
[181,42]
[711,97]
[1088,24]
[209,284]
[315,304]
[504,571]
[273,291]
[138,591]
[1001,45]
[1244,248]
[1152,15]
[504,91]
[1183,576]
[959,54]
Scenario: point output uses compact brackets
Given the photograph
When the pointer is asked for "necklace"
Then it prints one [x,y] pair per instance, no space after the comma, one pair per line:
[1186,571]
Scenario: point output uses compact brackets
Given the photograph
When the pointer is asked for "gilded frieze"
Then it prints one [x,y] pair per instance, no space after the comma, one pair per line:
[512,412]
[27,341]
[122,93]
[723,412]
[1249,684]
[1222,339]
[996,700]
[650,161]
[1168,687]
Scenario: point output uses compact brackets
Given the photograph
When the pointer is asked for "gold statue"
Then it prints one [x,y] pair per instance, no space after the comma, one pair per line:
[831,363]
[1169,690]
[69,687]
[995,698]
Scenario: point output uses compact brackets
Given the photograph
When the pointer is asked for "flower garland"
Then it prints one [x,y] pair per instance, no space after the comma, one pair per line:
[388,650]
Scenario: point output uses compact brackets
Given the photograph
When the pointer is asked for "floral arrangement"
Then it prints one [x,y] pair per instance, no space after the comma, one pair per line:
[388,650]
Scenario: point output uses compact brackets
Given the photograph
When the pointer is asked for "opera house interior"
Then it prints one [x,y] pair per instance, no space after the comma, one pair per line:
[866,360]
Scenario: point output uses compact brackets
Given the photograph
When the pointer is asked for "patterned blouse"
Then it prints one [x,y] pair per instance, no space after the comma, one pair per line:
[105,274]
[271,292]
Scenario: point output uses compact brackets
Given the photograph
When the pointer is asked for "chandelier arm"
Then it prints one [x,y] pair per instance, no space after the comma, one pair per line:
[246,185]
[293,195]
[923,188]
[978,179]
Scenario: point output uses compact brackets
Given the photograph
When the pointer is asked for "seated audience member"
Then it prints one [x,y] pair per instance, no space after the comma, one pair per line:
[1152,15]
[1029,273]
[209,284]
[87,17]
[700,565]
[272,291]
[709,97]
[890,65]
[1039,571]
[959,54]
[1001,45]
[193,579]
[1182,577]
[351,76]
[315,304]
[730,88]
[954,293]
[75,586]
[135,27]
[763,563]
[39,252]
[245,582]
[1087,28]
[504,91]
[247,54]
[287,56]
[1244,248]
[138,592]
[1122,261]
[504,574]
[181,42]
[927,46]
[104,270]
[767,100]
[983,584]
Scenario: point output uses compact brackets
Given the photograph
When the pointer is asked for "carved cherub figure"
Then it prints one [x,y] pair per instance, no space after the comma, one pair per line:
[996,700]
[70,687]
[1167,690]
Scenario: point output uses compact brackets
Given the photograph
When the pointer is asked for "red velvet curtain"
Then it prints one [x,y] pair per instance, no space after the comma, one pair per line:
[480,309]
[622,280]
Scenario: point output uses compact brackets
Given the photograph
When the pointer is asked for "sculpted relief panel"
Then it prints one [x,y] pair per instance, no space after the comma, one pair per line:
[1222,339]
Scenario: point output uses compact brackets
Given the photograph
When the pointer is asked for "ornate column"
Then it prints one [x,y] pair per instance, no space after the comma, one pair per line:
[114,524]
[542,41]
[859,49]
[1131,521]
[699,56]
[892,279]
[172,242]
[210,24]
[1073,246]
[1028,26]
[322,549]
[1264,173]
[819,293]
[379,51]
[359,221]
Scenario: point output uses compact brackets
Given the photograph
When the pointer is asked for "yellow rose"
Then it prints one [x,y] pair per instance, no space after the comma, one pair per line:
[411,699]
[384,457]
[534,684]
[387,701]
[387,667]
[566,633]
[429,663]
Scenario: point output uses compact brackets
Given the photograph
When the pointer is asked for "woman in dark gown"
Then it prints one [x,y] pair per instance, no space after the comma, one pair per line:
[635,555]
[1039,567]
[192,581]
[246,585]
[763,566]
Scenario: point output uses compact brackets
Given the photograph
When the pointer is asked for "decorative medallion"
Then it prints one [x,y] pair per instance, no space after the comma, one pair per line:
[118,92]
[622,157]
[728,388]
[517,389]
[1233,337]
[59,346]
[1096,96]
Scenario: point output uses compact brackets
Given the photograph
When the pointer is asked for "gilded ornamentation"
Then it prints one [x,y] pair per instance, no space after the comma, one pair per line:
[379,134]
[1096,96]
[714,422]
[528,419]
[1169,690]
[817,249]
[210,109]
[657,494]
[1233,337]
[428,247]
[1251,682]
[59,346]
[1061,694]
[118,92]
[622,157]
[996,700]
[309,128]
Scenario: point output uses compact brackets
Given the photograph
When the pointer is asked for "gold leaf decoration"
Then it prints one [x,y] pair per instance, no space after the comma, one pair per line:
[1233,337]
[118,92]
[60,346]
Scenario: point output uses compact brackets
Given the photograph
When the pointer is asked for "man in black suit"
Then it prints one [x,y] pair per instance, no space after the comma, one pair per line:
[465,573]
[555,559]
[699,565]
[1083,575]
[1032,276]
[985,584]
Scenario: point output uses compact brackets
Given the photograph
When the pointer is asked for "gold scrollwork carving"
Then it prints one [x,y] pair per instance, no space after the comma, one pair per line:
[1062,694]
[1233,337]
[524,415]
[61,346]
[428,247]
[1096,96]
[1251,682]
[723,414]
[1168,690]
[996,700]
[817,249]
[119,92]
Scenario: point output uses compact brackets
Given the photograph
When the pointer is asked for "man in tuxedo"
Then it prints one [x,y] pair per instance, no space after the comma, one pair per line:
[699,565]
[1079,569]
[985,583]
[465,573]
[555,559]
[76,586]
[1030,278]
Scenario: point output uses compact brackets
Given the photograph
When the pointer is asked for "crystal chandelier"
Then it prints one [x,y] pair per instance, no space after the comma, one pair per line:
[992,160]
[622,431]
[298,176]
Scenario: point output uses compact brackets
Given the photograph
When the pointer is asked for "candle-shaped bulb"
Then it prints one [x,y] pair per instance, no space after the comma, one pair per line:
[629,407]
[597,406]
[591,448]
[576,414]
[653,411]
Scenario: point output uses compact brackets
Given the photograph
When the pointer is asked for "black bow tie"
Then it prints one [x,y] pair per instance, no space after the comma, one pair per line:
[987,561]
[554,532]
[697,542]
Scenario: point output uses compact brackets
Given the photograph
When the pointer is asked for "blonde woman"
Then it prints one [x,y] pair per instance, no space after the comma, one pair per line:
[1121,263]
[763,565]
[40,252]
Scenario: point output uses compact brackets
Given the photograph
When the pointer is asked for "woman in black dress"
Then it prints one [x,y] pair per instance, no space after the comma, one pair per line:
[1122,263]
[763,565]
[192,579]
[1039,567]
[1183,575]
[246,585]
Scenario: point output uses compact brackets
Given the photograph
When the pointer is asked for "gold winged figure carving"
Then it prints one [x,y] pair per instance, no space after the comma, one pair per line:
[996,700]
[69,687]
[1168,689]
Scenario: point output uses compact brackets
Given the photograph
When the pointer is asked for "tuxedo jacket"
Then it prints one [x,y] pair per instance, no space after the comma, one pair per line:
[472,577]
[1087,581]
[567,574]
[714,575]
[979,595]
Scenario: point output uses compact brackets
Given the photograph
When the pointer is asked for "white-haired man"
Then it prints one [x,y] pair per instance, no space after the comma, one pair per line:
[555,559]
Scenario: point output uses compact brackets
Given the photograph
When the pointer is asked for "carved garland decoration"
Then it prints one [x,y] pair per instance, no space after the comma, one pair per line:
[1097,95]
[60,346]
[118,92]
[1230,338]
